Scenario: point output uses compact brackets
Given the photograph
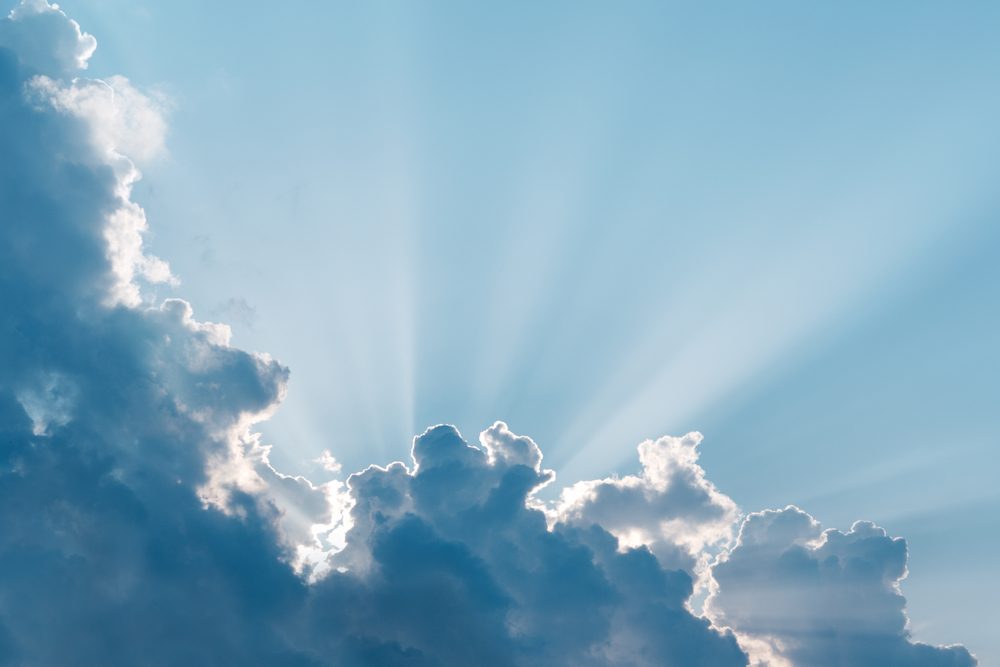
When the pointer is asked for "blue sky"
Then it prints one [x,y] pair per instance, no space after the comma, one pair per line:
[773,223]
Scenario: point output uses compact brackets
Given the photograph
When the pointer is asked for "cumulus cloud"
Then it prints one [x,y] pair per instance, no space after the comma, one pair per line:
[669,506]
[456,529]
[806,596]
[45,40]
[122,120]
[142,522]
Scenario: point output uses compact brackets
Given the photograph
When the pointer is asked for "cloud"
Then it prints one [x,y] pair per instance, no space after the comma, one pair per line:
[122,120]
[815,597]
[119,419]
[45,40]
[456,529]
[669,506]
[237,309]
[142,523]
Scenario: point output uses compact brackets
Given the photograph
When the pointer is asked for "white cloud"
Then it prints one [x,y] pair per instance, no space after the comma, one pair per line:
[328,462]
[45,40]
[670,506]
[121,119]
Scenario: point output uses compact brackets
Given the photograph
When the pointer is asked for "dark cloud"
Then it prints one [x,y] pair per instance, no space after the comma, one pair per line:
[141,522]
[506,589]
[130,531]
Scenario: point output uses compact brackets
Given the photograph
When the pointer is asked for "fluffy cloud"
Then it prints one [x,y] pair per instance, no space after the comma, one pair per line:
[813,597]
[122,120]
[120,420]
[506,590]
[45,40]
[141,522]
[670,506]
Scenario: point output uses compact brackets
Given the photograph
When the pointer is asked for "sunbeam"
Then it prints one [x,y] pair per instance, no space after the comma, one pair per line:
[624,231]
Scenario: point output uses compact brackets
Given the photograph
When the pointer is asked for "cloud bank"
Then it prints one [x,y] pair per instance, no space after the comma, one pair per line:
[141,522]
[820,597]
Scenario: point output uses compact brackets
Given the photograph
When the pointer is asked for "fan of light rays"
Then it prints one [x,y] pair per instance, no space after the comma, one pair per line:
[716,323]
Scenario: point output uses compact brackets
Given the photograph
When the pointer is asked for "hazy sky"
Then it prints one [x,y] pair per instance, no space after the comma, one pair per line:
[774,223]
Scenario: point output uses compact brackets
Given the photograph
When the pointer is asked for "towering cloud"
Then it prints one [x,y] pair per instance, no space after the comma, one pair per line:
[141,522]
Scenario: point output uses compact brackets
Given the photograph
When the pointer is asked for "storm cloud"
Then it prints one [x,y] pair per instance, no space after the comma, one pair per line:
[141,522]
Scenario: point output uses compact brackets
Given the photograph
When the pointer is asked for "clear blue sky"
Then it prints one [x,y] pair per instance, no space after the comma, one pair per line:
[776,223]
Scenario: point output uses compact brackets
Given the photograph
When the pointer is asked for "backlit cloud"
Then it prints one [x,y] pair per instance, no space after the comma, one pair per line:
[815,597]
[670,506]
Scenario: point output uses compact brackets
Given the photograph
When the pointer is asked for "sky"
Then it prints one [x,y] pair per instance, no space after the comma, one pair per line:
[774,225]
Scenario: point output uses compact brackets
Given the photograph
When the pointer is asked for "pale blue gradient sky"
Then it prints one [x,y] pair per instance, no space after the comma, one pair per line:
[776,223]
